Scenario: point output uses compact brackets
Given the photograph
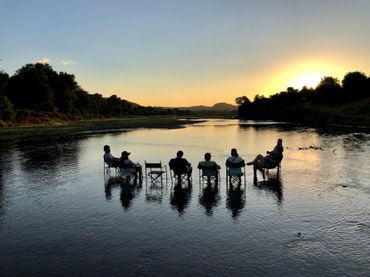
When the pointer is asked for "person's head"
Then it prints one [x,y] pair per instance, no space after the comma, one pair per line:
[125,154]
[179,154]
[106,148]
[279,141]
[207,156]
[234,152]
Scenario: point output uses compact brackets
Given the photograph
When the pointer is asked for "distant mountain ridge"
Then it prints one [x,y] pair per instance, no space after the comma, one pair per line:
[225,107]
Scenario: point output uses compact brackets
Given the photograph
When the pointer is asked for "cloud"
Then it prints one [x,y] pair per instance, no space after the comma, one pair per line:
[66,62]
[42,60]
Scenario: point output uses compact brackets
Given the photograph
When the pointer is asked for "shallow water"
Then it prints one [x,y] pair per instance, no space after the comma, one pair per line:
[58,216]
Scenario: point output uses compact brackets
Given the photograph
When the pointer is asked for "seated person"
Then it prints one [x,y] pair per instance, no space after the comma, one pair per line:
[179,165]
[272,159]
[235,164]
[108,157]
[208,167]
[126,163]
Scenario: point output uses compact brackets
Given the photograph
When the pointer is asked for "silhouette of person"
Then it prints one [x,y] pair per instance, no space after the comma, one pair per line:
[209,168]
[272,159]
[180,166]
[210,198]
[108,157]
[234,164]
[125,162]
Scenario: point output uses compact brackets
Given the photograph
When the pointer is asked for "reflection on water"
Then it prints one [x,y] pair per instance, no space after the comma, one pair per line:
[128,190]
[180,197]
[273,186]
[209,197]
[236,198]
[59,214]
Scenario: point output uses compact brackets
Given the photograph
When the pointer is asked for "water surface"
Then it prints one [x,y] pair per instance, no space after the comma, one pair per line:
[58,216]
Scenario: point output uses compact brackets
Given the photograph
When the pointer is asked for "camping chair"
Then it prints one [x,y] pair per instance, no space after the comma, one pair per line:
[107,169]
[235,176]
[276,165]
[179,176]
[155,171]
[209,174]
[129,173]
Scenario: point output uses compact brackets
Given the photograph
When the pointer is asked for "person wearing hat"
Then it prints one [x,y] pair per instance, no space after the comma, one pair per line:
[125,162]
[108,157]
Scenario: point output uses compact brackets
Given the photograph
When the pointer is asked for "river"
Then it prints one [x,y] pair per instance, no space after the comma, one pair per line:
[59,214]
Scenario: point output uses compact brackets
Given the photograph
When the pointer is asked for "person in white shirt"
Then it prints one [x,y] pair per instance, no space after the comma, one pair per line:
[108,157]
[234,164]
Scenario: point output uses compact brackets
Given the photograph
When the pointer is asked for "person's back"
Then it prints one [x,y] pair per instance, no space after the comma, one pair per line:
[179,165]
[234,163]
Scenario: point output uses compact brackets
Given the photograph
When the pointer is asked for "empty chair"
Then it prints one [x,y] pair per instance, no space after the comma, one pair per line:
[155,171]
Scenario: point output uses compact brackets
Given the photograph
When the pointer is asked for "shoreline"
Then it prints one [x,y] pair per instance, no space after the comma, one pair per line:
[95,126]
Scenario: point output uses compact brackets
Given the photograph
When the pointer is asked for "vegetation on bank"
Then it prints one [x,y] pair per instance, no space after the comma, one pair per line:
[37,93]
[332,101]
[77,128]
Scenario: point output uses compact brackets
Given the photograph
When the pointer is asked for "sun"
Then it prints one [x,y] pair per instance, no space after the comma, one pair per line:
[310,80]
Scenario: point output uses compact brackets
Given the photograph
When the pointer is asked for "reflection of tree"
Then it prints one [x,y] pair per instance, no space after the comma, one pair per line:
[5,167]
[210,198]
[235,201]
[272,185]
[180,197]
[49,156]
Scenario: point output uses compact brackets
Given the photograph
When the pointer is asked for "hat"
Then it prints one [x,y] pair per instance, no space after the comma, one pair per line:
[125,153]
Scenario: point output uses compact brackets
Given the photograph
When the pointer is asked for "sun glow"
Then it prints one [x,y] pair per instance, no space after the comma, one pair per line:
[310,80]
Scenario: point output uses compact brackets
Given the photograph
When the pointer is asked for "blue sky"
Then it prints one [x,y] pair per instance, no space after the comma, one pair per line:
[175,53]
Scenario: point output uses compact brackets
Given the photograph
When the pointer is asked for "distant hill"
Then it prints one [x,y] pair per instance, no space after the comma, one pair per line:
[218,107]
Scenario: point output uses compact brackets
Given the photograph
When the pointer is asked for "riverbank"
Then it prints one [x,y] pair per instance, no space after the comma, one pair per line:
[76,128]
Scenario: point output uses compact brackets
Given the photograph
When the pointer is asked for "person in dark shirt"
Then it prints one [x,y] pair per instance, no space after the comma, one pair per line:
[272,159]
[179,165]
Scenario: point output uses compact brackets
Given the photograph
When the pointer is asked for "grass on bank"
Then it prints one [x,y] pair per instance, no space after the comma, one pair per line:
[60,128]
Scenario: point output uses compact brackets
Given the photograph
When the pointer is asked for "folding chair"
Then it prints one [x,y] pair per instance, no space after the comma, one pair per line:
[179,177]
[233,175]
[107,169]
[272,166]
[209,174]
[155,171]
[129,173]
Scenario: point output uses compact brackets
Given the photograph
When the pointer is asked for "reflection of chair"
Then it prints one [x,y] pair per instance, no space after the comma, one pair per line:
[209,174]
[107,169]
[155,171]
[235,172]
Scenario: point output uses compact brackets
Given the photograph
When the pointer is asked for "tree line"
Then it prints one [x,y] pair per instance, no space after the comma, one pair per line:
[293,104]
[39,88]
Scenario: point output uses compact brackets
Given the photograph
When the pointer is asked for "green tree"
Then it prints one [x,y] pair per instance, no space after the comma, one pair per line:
[355,85]
[31,87]
[65,92]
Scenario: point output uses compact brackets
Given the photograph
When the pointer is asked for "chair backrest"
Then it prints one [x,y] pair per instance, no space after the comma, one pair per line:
[236,165]
[178,166]
[153,165]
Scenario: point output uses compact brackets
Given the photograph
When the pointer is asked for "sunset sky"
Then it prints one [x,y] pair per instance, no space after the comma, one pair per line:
[190,52]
